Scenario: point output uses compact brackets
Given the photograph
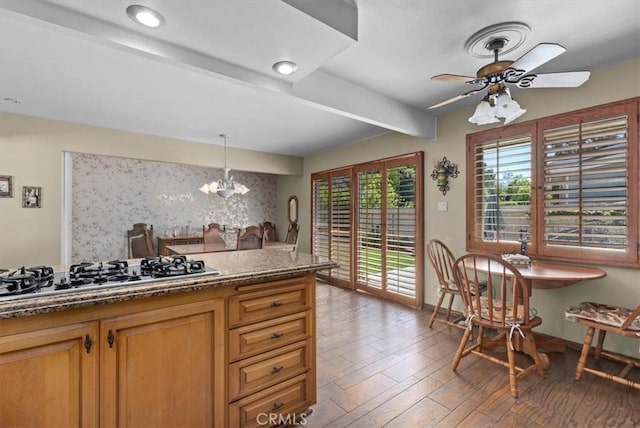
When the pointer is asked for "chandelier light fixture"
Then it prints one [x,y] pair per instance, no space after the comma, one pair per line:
[225,187]
[496,106]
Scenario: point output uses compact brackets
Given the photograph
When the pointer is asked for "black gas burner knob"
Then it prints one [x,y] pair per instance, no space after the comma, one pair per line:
[100,279]
[77,280]
[134,276]
[63,284]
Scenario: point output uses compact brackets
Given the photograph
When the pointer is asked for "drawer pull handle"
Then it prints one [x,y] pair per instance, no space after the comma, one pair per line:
[276,369]
[276,304]
[277,335]
[277,406]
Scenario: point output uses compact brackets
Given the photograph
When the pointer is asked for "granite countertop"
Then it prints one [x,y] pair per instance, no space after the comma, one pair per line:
[236,268]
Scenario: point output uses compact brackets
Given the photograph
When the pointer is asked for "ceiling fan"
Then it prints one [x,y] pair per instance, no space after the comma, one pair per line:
[498,75]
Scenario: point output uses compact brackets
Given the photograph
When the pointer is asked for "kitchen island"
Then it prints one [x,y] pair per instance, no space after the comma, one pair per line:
[232,349]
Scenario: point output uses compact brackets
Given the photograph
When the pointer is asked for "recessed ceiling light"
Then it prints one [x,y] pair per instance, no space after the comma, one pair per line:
[145,16]
[285,67]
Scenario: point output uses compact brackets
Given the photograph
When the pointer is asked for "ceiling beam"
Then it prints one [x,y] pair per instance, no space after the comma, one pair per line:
[319,89]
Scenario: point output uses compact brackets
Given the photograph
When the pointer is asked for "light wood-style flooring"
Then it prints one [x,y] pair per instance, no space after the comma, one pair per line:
[380,365]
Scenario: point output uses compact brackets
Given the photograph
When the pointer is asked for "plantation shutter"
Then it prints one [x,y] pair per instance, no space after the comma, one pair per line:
[320,217]
[586,187]
[331,223]
[401,231]
[370,228]
[341,225]
[501,204]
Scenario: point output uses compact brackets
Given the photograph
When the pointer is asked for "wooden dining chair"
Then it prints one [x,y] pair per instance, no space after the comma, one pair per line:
[504,309]
[606,318]
[293,234]
[212,234]
[250,239]
[442,259]
[269,231]
[140,241]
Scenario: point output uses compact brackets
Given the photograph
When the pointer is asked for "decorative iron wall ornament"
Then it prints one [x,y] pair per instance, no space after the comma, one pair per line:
[443,171]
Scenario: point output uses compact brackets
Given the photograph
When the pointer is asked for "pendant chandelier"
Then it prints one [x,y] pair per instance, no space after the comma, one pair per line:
[225,187]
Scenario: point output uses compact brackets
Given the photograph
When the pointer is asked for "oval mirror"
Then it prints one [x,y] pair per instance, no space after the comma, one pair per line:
[293,209]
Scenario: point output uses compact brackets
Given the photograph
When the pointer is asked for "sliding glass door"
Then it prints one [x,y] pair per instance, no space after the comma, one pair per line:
[331,223]
[369,219]
[389,230]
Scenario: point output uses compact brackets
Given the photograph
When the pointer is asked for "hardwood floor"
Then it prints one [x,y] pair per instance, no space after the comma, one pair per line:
[380,365]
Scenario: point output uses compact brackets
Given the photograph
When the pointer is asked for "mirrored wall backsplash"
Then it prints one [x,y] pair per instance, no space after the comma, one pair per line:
[110,194]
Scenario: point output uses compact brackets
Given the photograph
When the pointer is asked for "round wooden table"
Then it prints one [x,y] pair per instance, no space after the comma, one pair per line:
[545,275]
[551,275]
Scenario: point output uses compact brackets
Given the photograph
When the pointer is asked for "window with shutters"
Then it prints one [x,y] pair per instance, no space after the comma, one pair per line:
[567,185]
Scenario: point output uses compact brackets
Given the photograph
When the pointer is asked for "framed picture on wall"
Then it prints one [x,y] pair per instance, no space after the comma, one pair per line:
[6,186]
[31,197]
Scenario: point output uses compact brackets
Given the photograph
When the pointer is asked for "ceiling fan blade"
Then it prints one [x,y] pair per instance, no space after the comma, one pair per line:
[455,78]
[449,101]
[537,56]
[456,98]
[571,79]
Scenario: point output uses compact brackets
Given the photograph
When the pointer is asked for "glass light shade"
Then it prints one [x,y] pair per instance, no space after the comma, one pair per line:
[508,108]
[225,193]
[224,187]
[514,113]
[484,114]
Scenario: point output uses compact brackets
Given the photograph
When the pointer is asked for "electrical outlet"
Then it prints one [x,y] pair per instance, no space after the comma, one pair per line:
[443,206]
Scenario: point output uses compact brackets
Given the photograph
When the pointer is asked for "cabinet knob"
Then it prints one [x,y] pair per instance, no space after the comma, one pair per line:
[87,343]
[276,369]
[110,338]
[277,406]
[277,335]
[276,304]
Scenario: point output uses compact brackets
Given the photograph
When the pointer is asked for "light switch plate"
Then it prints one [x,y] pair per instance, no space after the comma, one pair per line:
[443,206]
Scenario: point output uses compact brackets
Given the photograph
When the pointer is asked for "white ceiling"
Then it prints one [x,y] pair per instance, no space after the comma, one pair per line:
[365,65]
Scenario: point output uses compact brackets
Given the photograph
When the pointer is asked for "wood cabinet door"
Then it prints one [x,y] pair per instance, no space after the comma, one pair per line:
[49,377]
[163,368]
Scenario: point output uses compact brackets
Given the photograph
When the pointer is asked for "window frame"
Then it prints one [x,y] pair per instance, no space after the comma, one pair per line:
[536,248]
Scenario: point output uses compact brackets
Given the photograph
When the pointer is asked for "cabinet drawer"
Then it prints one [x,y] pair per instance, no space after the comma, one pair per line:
[278,405]
[267,335]
[284,297]
[264,370]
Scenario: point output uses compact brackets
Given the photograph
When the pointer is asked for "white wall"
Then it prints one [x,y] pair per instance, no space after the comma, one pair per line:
[621,286]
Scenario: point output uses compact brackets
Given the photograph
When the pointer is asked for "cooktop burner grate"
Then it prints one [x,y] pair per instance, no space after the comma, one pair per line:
[42,280]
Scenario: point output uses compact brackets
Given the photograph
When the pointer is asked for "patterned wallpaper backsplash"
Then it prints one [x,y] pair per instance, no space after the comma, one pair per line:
[110,194]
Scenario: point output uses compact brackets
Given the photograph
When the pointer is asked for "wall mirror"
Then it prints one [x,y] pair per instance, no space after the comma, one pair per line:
[293,209]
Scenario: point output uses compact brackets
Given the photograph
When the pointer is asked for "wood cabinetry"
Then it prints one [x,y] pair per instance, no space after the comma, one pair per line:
[157,363]
[158,367]
[50,377]
[271,352]
[163,241]
[226,356]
